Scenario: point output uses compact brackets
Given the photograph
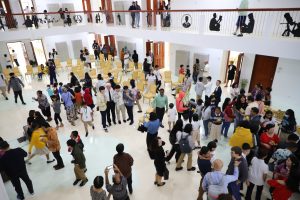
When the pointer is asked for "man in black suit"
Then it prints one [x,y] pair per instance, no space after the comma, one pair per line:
[218,92]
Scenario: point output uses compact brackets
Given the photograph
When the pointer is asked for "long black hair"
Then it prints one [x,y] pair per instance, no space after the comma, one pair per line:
[226,103]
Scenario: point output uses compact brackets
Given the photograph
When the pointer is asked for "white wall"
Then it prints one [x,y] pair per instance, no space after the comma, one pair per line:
[217,59]
[247,68]
[49,42]
[140,45]
[231,4]
[285,87]
[42,4]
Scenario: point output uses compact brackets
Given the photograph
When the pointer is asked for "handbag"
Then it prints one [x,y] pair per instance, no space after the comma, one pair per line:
[166,174]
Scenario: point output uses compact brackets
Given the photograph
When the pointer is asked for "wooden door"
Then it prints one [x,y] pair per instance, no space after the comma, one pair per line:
[106,40]
[98,38]
[148,46]
[109,15]
[239,66]
[112,43]
[159,54]
[9,18]
[263,71]
[86,4]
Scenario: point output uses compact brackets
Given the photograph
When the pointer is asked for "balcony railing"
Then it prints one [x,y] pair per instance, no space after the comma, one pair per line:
[279,23]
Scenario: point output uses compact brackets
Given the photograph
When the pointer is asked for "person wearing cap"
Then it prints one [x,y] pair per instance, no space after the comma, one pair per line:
[13,164]
[16,84]
[79,162]
[124,162]
[160,104]
[96,190]
[217,176]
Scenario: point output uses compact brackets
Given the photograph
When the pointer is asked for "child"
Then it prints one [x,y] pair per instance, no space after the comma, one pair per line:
[181,70]
[120,106]
[258,171]
[216,120]
[192,107]
[196,130]
[87,117]
[78,98]
[79,162]
[110,76]
[172,113]
[208,87]
[75,136]
[56,108]
[188,71]
[50,91]
[212,148]
[88,99]
[60,88]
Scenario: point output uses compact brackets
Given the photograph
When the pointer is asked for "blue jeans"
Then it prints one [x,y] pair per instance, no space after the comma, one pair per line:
[234,190]
[205,125]
[225,128]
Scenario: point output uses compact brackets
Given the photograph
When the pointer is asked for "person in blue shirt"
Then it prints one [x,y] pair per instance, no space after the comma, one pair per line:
[152,130]
[217,177]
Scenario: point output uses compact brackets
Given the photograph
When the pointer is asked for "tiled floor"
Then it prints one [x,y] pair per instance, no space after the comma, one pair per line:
[99,151]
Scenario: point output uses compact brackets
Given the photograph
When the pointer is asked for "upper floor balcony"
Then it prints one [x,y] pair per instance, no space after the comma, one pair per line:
[273,32]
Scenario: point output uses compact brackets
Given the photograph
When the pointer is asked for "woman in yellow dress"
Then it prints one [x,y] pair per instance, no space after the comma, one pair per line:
[242,135]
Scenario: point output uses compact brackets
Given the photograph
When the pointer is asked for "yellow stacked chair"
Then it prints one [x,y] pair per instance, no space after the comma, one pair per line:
[150,94]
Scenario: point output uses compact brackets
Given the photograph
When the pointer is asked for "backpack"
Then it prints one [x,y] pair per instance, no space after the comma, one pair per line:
[184,144]
[214,190]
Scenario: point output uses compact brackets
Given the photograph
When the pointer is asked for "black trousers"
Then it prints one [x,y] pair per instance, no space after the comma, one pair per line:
[158,84]
[160,113]
[259,190]
[17,63]
[103,118]
[129,183]
[52,78]
[96,55]
[18,93]
[57,118]
[133,19]
[17,184]
[105,56]
[130,112]
[111,110]
[174,150]
[58,158]
[149,140]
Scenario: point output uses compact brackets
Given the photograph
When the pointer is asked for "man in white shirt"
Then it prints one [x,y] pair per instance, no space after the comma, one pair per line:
[199,88]
[149,59]
[87,117]
[251,104]
[111,105]
[15,58]
[208,86]
[3,86]
[158,78]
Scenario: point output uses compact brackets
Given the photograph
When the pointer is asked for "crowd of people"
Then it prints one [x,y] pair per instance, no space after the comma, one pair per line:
[256,148]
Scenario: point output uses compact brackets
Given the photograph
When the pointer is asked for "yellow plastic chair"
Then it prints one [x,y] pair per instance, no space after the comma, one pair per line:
[118,80]
[80,74]
[6,73]
[93,73]
[140,86]
[16,71]
[141,78]
[168,77]
[179,81]
[29,70]
[126,83]
[69,62]
[150,94]
[140,66]
[135,75]
[57,62]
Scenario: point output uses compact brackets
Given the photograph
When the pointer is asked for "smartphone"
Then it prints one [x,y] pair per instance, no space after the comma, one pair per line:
[110,167]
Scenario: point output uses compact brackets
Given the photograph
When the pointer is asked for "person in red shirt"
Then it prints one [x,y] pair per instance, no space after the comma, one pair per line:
[87,97]
[180,107]
[269,141]
[181,70]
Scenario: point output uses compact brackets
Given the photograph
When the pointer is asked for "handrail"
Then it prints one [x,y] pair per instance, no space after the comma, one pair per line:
[154,11]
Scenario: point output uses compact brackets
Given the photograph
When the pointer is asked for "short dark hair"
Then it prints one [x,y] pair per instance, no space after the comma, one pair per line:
[74,133]
[204,150]
[4,145]
[209,77]
[125,87]
[120,148]
[200,79]
[71,142]
[250,98]
[195,117]
[212,145]
[245,124]
[293,137]
[98,182]
[269,126]
[117,87]
[255,110]
[188,128]
[261,153]
[101,88]
[237,150]
[185,116]
[171,105]
[246,146]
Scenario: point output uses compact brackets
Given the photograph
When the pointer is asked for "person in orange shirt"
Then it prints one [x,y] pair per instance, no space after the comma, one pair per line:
[181,70]
[54,146]
[39,143]
[122,54]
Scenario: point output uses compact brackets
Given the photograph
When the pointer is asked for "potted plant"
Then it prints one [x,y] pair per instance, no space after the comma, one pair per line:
[244,83]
